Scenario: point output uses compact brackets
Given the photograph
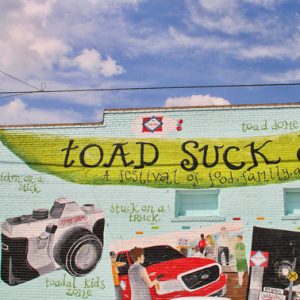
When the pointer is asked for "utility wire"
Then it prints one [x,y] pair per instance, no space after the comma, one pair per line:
[20,80]
[40,91]
[13,95]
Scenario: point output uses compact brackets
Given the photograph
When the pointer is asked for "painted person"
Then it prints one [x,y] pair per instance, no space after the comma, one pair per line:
[202,243]
[223,246]
[241,261]
[115,272]
[210,247]
[138,276]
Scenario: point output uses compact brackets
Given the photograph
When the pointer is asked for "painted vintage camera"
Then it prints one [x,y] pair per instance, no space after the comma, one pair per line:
[68,237]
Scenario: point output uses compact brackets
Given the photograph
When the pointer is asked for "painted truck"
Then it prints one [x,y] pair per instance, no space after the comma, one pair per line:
[176,274]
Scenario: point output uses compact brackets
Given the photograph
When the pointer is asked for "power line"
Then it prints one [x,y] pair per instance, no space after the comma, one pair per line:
[20,80]
[12,95]
[40,91]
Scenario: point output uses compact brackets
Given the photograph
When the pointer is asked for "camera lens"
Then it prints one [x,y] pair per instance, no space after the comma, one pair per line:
[78,252]
[86,257]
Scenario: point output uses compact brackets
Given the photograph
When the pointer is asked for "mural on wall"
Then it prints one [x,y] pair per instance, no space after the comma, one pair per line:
[68,237]
[149,253]
[178,163]
[275,265]
[201,262]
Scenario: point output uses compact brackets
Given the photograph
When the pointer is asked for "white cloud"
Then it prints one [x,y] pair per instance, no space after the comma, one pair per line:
[289,76]
[50,51]
[224,16]
[218,5]
[196,100]
[202,43]
[90,60]
[287,49]
[219,16]
[26,51]
[266,3]
[17,112]
[36,36]
[108,67]
[34,8]
[259,52]
[232,5]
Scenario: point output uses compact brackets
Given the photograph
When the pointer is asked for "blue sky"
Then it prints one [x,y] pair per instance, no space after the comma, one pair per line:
[128,43]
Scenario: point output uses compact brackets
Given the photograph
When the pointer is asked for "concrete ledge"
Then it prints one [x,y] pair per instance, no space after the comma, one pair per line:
[290,218]
[200,219]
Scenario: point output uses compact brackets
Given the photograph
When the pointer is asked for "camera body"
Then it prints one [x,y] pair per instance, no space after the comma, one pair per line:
[68,237]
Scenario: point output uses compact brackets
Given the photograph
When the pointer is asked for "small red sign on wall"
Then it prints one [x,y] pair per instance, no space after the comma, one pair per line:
[152,124]
[259,259]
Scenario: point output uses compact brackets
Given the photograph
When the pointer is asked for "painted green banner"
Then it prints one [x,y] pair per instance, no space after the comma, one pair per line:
[181,163]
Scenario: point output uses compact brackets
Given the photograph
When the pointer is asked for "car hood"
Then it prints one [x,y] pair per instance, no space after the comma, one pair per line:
[170,269]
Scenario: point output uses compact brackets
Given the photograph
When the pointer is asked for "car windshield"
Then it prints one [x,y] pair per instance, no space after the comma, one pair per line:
[157,254]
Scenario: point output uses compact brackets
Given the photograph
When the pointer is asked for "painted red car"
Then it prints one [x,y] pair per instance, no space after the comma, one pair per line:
[177,275]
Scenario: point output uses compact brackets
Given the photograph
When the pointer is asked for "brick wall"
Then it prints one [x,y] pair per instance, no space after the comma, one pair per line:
[23,188]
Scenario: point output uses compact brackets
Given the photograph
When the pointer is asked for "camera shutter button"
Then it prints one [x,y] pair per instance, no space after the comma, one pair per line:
[42,240]
[88,207]
[43,236]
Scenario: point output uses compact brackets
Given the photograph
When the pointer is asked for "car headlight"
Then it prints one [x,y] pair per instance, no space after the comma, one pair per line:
[168,286]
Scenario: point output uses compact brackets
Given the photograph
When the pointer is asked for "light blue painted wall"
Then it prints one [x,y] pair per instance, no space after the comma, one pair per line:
[248,203]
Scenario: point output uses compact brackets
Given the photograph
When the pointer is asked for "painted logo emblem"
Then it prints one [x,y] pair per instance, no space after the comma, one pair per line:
[293,276]
[71,220]
[259,259]
[152,124]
